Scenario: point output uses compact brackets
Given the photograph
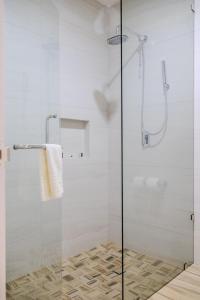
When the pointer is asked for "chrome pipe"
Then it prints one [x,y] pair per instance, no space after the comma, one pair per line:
[137,50]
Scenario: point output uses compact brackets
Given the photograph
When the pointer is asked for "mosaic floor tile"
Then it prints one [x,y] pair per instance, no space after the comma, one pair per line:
[95,275]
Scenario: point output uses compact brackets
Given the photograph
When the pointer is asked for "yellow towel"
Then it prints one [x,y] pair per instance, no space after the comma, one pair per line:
[51,170]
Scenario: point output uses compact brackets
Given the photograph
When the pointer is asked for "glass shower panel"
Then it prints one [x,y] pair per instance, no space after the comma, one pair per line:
[158,143]
[32,93]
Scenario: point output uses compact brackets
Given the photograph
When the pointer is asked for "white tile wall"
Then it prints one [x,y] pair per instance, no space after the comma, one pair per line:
[156,222]
[56,64]
[32,92]
[83,70]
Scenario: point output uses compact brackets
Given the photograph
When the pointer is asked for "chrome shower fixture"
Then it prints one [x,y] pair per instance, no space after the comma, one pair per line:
[140,50]
[142,39]
[146,134]
[53,116]
[117,38]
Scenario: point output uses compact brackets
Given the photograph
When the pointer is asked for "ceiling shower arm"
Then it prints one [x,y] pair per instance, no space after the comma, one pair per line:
[138,49]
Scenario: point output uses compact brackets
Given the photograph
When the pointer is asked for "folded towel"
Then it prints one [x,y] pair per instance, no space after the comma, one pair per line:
[51,170]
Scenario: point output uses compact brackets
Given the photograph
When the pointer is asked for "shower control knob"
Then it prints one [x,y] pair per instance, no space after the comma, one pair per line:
[145,138]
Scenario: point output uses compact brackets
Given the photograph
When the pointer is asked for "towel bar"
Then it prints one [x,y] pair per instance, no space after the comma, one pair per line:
[28,146]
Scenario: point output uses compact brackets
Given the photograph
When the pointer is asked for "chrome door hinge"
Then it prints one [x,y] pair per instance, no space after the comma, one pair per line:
[187,265]
[4,154]
[192,217]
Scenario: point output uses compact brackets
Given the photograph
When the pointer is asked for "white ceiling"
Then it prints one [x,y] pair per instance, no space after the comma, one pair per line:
[108,3]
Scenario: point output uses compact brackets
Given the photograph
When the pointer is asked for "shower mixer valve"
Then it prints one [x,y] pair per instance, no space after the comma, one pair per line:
[145,138]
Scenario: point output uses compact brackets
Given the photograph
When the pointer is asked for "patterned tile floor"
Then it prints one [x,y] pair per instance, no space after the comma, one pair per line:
[95,275]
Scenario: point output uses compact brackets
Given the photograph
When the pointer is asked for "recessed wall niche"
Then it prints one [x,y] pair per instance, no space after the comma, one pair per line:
[75,138]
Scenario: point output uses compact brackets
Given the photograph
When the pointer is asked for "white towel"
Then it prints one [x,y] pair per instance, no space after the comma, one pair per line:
[51,170]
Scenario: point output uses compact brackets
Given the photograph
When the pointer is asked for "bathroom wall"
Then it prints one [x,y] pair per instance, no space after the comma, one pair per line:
[83,72]
[58,64]
[157,221]
[33,228]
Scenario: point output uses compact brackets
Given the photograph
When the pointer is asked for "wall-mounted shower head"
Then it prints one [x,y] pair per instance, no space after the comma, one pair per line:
[117,38]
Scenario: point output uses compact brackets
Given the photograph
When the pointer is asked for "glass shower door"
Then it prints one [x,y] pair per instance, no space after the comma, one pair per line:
[158,143]
[33,227]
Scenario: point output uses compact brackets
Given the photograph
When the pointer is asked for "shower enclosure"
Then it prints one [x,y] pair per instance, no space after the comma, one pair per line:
[112,83]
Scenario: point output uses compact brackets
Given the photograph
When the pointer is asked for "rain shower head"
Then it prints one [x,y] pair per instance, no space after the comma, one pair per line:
[117,39]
